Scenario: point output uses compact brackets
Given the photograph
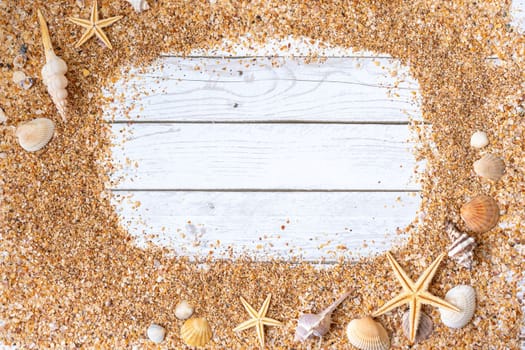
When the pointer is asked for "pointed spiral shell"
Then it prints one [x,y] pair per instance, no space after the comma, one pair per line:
[53,75]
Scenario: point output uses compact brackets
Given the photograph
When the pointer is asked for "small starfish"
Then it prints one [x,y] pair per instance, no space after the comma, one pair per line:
[94,26]
[258,320]
[415,294]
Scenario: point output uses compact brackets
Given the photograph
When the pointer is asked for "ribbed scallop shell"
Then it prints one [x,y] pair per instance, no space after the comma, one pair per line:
[464,297]
[425,328]
[367,334]
[490,167]
[34,135]
[196,332]
[481,214]
[139,5]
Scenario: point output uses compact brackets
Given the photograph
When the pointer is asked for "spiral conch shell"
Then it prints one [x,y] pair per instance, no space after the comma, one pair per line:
[53,72]
[309,325]
[139,5]
[34,135]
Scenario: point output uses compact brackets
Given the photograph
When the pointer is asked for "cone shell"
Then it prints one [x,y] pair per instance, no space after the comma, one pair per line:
[367,334]
[196,332]
[490,167]
[481,214]
[464,297]
[34,135]
[426,326]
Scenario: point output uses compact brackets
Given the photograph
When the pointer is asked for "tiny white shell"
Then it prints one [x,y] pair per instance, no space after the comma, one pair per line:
[464,297]
[156,333]
[479,139]
[34,135]
[139,5]
[18,77]
[183,310]
[3,116]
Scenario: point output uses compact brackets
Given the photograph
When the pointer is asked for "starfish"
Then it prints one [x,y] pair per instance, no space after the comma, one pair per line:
[258,320]
[94,26]
[415,294]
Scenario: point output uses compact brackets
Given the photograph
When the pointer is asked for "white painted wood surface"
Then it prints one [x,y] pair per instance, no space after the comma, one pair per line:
[266,156]
[353,89]
[313,225]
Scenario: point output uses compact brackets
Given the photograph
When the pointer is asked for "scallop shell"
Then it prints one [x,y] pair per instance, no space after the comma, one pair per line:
[425,328]
[139,5]
[34,135]
[367,334]
[464,297]
[479,139]
[196,332]
[481,214]
[490,167]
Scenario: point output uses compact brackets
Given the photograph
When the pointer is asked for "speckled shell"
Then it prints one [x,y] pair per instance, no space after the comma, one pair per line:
[367,334]
[139,5]
[34,135]
[490,167]
[481,214]
[196,332]
[464,297]
[426,326]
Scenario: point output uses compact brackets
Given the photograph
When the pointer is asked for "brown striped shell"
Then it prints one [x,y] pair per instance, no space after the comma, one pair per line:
[481,214]
[425,328]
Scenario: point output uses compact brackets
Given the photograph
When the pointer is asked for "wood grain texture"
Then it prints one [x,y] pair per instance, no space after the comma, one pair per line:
[267,89]
[313,225]
[264,156]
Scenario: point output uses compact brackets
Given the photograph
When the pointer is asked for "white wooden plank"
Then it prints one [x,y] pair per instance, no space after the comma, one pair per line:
[264,156]
[264,89]
[517,10]
[269,224]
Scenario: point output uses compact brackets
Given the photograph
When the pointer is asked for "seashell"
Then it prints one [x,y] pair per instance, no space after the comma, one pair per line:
[367,334]
[3,116]
[139,5]
[490,167]
[53,72]
[425,328]
[183,310]
[481,214]
[462,248]
[309,325]
[34,135]
[20,61]
[464,297]
[196,332]
[479,139]
[156,333]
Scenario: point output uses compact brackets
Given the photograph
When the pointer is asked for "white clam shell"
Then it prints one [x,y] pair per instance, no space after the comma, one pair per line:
[464,297]
[139,5]
[479,139]
[34,135]
[156,333]
[183,310]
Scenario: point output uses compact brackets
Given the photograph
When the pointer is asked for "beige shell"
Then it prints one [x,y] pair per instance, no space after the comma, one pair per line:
[425,328]
[490,167]
[183,310]
[196,332]
[139,5]
[481,214]
[367,334]
[34,135]
[464,297]
[54,71]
